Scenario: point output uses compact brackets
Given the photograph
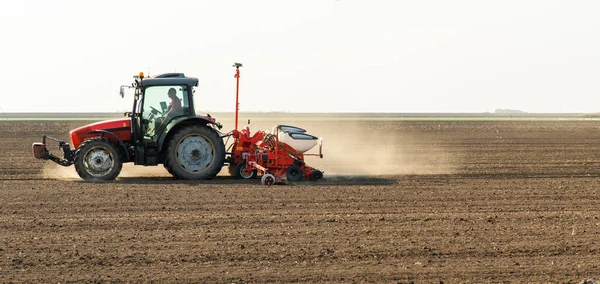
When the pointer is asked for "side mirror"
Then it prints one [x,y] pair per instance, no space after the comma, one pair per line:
[122,90]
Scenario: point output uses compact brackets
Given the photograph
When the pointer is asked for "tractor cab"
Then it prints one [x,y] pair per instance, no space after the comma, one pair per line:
[160,100]
[160,103]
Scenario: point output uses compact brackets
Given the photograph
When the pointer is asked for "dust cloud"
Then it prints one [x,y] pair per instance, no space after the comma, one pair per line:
[354,148]
[350,148]
[55,171]
[368,148]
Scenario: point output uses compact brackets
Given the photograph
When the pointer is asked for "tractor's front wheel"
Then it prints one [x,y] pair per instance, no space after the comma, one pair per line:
[195,152]
[98,159]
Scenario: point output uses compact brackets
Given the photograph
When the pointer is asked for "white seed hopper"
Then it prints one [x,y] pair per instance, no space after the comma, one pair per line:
[296,137]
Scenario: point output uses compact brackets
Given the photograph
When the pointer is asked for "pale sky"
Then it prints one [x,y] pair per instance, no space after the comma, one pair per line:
[305,56]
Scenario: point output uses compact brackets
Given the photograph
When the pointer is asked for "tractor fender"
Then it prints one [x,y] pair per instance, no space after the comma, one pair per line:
[179,122]
[119,141]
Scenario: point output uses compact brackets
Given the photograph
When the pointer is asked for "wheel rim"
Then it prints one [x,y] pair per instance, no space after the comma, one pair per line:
[245,173]
[195,153]
[316,175]
[294,173]
[268,179]
[98,161]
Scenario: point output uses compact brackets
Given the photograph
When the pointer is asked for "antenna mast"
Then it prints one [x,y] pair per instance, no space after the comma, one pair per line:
[237,92]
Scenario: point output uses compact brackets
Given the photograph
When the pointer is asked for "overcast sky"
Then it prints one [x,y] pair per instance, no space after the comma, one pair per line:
[306,56]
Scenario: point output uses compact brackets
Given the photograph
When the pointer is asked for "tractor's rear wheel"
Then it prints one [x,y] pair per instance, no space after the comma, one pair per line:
[98,159]
[195,152]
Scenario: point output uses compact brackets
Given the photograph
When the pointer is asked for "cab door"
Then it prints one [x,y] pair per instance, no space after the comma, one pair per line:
[138,128]
[158,108]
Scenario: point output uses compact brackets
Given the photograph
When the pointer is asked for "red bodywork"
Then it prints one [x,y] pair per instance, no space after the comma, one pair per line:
[263,152]
[244,142]
[267,154]
[120,127]
[276,159]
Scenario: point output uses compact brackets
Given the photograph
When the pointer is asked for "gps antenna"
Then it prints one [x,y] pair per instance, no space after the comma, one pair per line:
[237,92]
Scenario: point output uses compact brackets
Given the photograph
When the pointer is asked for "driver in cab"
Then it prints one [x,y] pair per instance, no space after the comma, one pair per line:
[175,102]
[172,111]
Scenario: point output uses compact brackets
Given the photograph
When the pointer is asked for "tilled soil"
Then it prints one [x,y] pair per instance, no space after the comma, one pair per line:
[424,202]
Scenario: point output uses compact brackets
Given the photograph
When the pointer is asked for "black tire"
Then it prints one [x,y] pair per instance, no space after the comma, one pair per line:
[167,167]
[268,179]
[242,174]
[316,175]
[195,152]
[294,173]
[98,159]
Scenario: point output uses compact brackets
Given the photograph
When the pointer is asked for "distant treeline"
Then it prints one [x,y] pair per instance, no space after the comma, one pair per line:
[508,111]
[497,113]
[62,114]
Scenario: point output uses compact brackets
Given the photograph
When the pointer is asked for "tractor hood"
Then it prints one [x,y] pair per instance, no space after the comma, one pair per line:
[114,130]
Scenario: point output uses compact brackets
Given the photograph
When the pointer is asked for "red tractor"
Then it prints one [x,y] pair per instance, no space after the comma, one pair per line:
[189,146]
[163,128]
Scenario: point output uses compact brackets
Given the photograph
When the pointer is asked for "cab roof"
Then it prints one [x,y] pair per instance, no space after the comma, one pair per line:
[168,79]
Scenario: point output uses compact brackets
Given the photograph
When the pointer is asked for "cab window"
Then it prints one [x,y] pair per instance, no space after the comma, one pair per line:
[162,104]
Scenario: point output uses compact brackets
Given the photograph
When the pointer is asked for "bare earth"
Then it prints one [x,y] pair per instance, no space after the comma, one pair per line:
[490,201]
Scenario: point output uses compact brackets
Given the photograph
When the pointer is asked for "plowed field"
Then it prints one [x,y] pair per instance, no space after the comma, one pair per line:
[402,201]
